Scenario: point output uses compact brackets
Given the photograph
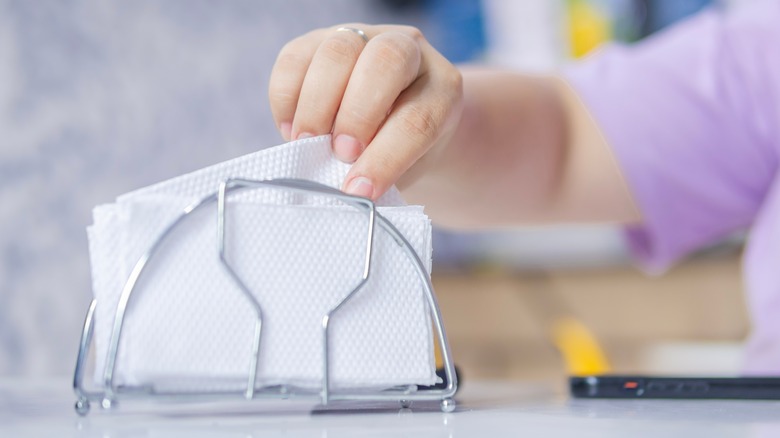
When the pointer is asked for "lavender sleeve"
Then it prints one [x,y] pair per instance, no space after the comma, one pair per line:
[691,115]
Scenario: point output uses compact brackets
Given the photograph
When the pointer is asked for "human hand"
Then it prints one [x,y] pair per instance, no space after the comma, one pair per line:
[387,101]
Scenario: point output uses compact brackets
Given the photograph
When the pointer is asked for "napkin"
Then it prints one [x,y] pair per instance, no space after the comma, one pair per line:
[189,327]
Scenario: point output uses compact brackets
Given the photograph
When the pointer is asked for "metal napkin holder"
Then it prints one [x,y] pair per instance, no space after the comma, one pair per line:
[110,393]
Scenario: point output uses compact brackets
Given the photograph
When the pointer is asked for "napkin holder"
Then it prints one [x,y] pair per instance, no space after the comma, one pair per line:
[109,393]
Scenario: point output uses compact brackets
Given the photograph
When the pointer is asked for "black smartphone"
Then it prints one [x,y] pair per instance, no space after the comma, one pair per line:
[627,386]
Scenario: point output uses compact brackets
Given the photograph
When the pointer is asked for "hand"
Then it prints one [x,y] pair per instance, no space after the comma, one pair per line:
[387,101]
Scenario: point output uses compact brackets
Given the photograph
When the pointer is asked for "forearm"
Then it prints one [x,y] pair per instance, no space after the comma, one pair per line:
[524,152]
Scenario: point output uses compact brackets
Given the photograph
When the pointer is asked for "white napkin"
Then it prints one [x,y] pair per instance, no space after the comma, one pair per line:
[188,326]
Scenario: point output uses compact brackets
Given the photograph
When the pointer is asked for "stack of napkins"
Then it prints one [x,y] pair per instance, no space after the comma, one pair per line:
[188,325]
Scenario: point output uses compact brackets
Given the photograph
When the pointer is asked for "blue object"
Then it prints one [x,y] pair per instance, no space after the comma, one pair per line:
[457,28]
[662,13]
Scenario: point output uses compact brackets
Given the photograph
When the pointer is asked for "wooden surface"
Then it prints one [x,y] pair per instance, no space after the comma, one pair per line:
[499,322]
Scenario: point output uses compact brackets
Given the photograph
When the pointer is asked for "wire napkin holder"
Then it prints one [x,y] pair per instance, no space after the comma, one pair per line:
[109,393]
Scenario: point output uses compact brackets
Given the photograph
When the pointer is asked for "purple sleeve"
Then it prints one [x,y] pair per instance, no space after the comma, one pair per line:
[692,117]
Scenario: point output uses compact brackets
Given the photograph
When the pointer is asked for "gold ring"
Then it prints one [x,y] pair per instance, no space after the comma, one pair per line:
[354,30]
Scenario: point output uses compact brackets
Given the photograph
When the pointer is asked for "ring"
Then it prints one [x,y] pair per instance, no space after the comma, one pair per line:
[354,30]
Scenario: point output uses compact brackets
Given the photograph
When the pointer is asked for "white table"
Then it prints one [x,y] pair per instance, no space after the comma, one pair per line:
[485,409]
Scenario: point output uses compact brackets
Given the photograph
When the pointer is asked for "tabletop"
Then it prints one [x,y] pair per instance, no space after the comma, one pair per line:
[45,408]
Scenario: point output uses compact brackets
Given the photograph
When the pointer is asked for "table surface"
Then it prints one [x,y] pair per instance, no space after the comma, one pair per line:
[485,409]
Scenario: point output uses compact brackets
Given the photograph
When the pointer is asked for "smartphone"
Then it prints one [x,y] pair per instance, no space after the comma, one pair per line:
[628,386]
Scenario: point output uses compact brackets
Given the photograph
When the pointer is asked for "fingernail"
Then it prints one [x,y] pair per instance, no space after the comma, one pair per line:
[346,148]
[361,186]
[286,129]
[303,135]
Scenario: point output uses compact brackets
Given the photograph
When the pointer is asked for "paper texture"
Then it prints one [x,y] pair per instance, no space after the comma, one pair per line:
[188,325]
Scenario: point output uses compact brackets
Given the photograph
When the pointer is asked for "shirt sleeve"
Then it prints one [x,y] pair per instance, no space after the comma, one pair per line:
[692,118]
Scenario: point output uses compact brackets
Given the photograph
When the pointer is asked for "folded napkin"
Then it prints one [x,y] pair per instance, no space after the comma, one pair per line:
[188,325]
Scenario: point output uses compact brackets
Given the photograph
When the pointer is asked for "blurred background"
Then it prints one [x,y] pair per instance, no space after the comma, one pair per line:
[101,97]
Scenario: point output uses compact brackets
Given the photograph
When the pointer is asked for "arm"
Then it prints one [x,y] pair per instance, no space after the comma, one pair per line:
[525,151]
[478,147]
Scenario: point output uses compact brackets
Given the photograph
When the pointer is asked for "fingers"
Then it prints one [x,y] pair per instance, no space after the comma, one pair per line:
[287,77]
[389,63]
[386,101]
[416,122]
[325,82]
[333,81]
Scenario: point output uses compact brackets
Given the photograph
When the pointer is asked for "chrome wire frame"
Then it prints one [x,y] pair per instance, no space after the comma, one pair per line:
[405,395]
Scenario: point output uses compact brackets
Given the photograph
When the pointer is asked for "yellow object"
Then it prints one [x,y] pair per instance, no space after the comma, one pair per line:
[588,27]
[579,348]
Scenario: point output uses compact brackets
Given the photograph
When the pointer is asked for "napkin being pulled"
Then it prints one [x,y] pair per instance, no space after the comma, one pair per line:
[188,325]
